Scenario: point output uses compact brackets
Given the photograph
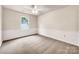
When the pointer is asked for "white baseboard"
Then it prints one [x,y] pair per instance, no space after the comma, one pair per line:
[10,34]
[65,36]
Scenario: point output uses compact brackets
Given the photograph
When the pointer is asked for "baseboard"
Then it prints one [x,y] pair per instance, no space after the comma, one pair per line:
[59,40]
[20,37]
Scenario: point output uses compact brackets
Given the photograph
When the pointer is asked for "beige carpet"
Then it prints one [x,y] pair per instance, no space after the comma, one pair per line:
[37,44]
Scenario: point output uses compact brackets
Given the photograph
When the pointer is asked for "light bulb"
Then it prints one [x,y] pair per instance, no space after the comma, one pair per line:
[34,11]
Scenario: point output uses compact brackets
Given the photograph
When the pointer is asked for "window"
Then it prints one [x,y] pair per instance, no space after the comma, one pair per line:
[24,23]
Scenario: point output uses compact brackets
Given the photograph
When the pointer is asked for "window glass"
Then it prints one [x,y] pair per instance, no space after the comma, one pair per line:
[24,23]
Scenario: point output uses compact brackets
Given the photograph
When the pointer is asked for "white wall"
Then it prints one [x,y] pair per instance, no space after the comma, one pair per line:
[11,24]
[0,25]
[78,23]
[60,24]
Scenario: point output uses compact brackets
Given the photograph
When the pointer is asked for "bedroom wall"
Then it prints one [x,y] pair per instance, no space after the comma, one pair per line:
[60,24]
[0,25]
[78,23]
[11,24]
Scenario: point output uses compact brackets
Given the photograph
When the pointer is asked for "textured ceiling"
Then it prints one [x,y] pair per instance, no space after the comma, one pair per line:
[28,8]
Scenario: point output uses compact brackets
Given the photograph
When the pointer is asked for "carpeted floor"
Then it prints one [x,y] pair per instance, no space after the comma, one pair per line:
[37,44]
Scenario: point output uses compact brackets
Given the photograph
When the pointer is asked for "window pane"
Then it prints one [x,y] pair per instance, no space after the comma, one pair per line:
[24,23]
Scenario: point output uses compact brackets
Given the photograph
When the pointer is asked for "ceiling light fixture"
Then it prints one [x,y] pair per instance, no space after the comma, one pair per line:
[34,10]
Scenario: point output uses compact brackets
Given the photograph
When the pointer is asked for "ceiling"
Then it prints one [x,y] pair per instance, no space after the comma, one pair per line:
[28,8]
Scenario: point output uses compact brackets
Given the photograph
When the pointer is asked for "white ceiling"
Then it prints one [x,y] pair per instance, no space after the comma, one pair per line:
[28,8]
